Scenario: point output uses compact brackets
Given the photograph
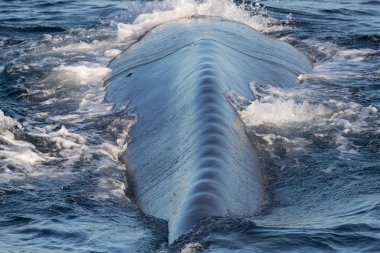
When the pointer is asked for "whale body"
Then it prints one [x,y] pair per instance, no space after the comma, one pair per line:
[189,155]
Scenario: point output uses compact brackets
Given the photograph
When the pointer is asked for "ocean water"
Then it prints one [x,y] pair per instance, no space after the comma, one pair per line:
[63,185]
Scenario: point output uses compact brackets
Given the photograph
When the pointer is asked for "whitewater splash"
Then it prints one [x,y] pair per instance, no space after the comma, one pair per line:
[158,12]
[293,119]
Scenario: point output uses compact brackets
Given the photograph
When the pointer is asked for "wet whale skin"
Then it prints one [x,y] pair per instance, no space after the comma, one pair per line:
[189,155]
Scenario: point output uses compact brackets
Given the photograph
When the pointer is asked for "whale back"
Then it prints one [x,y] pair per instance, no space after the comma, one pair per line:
[189,155]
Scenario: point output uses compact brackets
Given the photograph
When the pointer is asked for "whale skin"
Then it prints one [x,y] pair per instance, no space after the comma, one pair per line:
[189,156]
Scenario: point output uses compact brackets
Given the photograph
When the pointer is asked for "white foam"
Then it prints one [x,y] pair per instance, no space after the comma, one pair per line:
[261,91]
[284,117]
[50,101]
[28,160]
[279,111]
[92,109]
[67,118]
[65,134]
[40,93]
[80,47]
[112,53]
[83,74]
[344,145]
[110,188]
[335,63]
[19,153]
[192,247]
[329,169]
[7,123]
[69,148]
[170,10]
[21,156]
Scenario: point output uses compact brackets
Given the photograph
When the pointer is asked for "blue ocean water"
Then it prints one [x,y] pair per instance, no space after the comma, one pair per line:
[62,186]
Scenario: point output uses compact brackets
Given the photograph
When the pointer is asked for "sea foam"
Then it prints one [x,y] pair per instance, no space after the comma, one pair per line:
[159,12]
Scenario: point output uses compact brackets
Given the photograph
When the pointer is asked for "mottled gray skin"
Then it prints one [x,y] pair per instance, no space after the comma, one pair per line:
[189,155]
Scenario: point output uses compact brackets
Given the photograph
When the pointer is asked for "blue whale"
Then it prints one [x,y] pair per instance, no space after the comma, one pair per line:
[189,155]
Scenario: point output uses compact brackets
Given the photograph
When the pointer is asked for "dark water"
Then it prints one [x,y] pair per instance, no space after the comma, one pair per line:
[62,186]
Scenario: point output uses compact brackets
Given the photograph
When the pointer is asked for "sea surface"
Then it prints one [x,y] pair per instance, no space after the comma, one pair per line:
[63,187]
